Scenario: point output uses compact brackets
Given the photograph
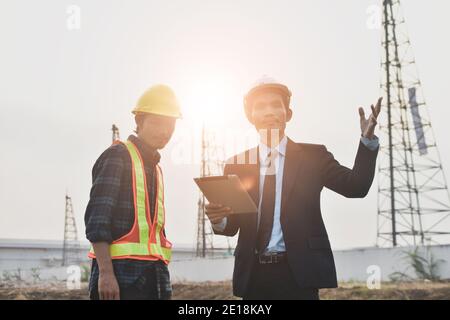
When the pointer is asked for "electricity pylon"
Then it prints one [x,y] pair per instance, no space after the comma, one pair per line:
[71,245]
[413,197]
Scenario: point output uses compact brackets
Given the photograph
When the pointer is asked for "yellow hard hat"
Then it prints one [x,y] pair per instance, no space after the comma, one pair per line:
[159,99]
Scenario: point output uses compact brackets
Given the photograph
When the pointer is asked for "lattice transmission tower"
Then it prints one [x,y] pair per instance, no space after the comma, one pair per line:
[413,197]
[115,133]
[211,164]
[71,245]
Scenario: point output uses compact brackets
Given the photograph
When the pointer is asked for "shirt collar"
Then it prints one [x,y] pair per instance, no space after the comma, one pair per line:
[149,155]
[264,149]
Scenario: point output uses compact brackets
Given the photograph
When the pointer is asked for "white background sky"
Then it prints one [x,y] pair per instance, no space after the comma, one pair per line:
[60,91]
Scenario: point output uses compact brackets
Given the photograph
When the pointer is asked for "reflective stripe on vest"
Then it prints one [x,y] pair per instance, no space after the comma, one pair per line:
[145,241]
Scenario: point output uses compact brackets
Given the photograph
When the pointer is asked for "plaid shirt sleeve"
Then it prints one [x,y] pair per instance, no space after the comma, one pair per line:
[106,176]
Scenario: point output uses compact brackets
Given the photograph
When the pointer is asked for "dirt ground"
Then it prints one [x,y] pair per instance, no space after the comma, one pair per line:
[222,290]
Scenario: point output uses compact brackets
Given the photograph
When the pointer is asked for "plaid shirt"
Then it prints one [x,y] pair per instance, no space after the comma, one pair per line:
[110,211]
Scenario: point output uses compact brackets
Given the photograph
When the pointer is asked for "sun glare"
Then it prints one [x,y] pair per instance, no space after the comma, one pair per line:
[206,102]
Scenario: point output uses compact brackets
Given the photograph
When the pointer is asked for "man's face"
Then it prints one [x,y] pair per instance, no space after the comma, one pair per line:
[269,112]
[156,130]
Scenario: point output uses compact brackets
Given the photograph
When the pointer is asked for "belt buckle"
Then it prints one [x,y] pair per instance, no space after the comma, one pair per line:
[260,259]
[268,258]
[273,258]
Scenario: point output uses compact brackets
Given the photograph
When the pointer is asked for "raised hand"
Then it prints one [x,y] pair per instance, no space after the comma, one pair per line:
[368,125]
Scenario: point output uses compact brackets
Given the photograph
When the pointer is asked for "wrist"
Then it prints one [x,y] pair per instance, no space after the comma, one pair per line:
[106,271]
[368,136]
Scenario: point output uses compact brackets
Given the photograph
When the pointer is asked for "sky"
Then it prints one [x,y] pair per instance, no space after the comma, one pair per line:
[69,69]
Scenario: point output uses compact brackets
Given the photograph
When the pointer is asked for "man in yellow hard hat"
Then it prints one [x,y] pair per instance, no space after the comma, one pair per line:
[125,215]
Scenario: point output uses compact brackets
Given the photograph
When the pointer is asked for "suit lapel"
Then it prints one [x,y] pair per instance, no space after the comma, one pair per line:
[250,174]
[253,172]
[292,164]
[246,166]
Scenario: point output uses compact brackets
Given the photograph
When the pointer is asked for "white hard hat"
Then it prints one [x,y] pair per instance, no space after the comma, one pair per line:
[266,82]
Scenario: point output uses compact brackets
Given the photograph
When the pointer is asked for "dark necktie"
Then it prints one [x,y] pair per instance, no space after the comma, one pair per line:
[267,204]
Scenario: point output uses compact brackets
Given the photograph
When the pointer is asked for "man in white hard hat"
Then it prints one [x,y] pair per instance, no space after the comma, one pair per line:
[125,215]
[283,251]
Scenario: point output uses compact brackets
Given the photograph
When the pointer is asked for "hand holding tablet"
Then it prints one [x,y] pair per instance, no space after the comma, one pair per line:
[227,196]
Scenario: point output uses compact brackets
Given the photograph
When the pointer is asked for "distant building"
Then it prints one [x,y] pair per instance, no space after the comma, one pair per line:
[40,260]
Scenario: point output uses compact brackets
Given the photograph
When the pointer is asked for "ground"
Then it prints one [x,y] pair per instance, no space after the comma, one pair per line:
[222,290]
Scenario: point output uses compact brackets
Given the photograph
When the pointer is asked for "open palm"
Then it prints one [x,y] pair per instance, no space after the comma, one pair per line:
[368,125]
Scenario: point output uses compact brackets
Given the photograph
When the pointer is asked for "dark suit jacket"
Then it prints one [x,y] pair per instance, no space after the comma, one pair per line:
[307,169]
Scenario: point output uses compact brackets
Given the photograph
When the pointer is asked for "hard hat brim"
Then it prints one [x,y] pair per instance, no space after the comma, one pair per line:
[266,86]
[136,112]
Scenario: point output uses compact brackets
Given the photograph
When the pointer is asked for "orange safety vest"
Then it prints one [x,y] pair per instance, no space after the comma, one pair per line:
[146,240]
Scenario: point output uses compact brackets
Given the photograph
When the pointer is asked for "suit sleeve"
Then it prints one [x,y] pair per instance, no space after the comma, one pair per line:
[232,221]
[351,183]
